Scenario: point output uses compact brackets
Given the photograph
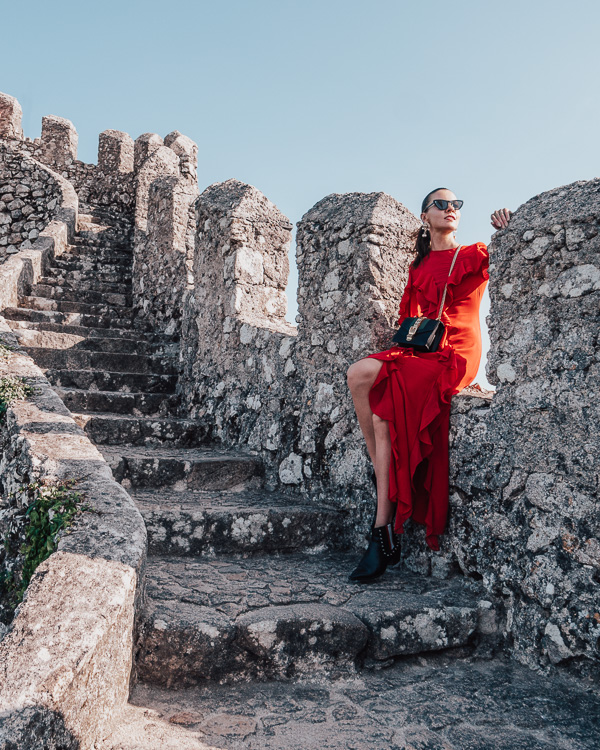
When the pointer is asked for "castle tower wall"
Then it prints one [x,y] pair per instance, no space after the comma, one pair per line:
[527,477]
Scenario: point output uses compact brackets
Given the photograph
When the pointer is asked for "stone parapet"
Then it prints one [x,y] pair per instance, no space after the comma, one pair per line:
[530,466]
[23,269]
[164,253]
[10,117]
[67,655]
[31,195]
[59,142]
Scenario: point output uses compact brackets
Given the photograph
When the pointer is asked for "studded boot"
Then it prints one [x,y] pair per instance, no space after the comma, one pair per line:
[383,550]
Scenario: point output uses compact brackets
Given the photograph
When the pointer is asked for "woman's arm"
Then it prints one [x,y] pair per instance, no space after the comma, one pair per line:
[500,218]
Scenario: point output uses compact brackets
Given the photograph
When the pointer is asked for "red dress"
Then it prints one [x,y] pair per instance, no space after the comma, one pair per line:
[413,390]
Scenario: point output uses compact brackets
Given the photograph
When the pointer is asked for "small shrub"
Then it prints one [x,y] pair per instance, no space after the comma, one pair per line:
[12,388]
[53,509]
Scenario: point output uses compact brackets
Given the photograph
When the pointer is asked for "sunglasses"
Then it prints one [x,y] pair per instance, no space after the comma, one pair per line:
[443,205]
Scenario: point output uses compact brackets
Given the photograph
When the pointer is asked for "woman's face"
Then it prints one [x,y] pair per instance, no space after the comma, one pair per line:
[438,219]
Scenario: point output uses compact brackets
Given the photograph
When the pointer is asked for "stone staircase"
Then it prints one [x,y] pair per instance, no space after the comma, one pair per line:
[242,584]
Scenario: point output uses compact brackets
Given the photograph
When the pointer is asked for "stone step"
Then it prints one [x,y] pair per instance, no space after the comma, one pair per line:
[72,319]
[66,359]
[119,241]
[248,522]
[89,296]
[45,303]
[68,274]
[281,616]
[102,380]
[428,701]
[111,253]
[79,400]
[32,337]
[97,224]
[116,429]
[80,263]
[183,468]
[96,339]
[110,287]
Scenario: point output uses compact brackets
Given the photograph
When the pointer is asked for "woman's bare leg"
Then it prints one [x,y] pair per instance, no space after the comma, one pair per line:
[383,456]
[361,376]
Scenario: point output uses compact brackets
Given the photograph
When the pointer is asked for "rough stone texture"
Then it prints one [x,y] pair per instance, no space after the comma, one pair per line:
[240,271]
[200,523]
[66,657]
[115,152]
[23,269]
[29,198]
[231,617]
[10,117]
[187,151]
[429,702]
[163,268]
[530,466]
[59,142]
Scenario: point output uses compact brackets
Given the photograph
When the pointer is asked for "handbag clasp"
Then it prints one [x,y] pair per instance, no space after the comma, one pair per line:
[414,328]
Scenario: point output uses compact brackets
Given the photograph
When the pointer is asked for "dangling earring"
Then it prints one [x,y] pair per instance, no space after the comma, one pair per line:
[425,230]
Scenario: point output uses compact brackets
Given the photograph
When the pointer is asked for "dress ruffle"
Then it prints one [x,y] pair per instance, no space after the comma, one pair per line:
[472,261]
[430,435]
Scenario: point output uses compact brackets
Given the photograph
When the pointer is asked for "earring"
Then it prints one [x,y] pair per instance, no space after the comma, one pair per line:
[425,230]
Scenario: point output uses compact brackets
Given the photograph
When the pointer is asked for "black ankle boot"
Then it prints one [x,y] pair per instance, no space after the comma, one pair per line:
[374,480]
[383,550]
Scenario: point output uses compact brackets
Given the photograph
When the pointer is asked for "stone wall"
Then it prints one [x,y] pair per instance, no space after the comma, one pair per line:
[531,468]
[29,196]
[23,269]
[164,232]
[108,186]
[67,656]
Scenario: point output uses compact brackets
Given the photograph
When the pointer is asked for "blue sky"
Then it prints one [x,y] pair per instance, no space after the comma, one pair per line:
[496,100]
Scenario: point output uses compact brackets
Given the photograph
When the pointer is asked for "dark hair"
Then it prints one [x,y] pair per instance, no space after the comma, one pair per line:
[423,243]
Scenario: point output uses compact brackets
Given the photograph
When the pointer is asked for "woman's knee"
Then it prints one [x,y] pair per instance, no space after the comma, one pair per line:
[362,373]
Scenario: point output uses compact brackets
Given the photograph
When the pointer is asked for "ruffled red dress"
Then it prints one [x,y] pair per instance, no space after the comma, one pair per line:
[413,390]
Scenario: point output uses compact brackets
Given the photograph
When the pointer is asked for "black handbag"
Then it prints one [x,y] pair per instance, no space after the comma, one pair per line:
[424,334]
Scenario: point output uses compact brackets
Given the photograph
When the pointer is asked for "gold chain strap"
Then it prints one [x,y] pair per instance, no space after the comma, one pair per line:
[439,317]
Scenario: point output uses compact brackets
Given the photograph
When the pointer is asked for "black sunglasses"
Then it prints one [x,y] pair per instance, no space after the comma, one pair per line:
[443,205]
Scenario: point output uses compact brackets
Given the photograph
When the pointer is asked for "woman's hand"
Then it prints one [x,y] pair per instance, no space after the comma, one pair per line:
[500,218]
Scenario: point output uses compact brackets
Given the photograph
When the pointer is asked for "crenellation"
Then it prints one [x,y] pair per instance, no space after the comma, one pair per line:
[11,115]
[145,145]
[164,268]
[58,147]
[187,151]
[115,152]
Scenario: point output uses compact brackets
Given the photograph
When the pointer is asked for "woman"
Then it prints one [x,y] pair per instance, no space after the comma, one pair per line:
[402,396]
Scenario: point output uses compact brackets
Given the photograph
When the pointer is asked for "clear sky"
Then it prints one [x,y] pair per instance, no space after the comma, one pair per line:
[498,101]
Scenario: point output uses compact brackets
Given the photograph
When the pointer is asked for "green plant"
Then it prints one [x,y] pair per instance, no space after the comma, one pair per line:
[12,388]
[5,351]
[53,509]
